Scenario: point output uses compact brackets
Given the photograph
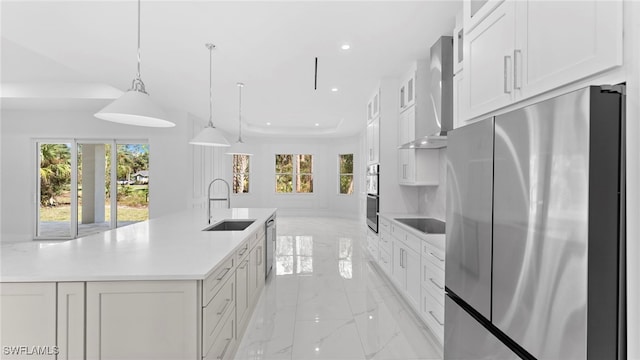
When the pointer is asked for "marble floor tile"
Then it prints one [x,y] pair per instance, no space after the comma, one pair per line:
[325,300]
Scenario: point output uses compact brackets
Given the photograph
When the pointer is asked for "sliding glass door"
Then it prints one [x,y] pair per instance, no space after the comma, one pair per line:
[90,186]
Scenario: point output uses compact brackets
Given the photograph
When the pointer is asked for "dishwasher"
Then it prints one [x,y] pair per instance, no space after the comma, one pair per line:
[270,236]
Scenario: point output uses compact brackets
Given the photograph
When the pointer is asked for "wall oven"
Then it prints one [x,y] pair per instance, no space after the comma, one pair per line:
[373,196]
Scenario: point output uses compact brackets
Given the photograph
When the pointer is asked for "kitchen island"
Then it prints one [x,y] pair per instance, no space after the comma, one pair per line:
[161,289]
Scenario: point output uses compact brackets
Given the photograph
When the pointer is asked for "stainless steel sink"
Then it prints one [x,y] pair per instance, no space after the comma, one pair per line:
[230,225]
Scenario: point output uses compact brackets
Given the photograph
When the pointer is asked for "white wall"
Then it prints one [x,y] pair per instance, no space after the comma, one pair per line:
[432,199]
[168,169]
[325,199]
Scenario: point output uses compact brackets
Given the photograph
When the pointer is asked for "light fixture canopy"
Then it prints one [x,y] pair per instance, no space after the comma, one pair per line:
[239,148]
[210,136]
[135,107]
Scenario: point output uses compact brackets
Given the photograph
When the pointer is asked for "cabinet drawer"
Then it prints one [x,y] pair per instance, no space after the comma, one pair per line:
[385,241]
[433,313]
[433,254]
[385,261]
[220,306]
[413,242]
[384,224]
[223,342]
[397,232]
[213,282]
[243,251]
[257,237]
[433,281]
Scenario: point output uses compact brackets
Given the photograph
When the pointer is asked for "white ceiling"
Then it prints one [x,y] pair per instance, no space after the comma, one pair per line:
[268,45]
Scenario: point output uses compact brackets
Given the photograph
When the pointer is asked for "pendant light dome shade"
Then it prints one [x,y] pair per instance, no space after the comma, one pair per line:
[210,136]
[135,108]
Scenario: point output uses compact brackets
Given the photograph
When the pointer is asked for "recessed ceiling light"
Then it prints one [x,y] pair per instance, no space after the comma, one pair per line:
[334,89]
[268,124]
[423,142]
[317,124]
[345,47]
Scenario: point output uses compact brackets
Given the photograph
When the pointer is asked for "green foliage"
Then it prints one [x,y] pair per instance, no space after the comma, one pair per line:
[55,171]
[346,173]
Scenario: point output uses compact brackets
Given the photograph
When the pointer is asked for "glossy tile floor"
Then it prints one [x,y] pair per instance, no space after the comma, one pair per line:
[324,300]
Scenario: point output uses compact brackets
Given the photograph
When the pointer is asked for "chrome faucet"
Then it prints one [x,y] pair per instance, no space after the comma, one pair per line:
[210,199]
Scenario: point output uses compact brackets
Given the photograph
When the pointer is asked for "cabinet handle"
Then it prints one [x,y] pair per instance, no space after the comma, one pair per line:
[224,273]
[244,250]
[433,316]
[507,83]
[436,284]
[226,304]
[435,256]
[259,259]
[517,79]
[244,266]
[224,351]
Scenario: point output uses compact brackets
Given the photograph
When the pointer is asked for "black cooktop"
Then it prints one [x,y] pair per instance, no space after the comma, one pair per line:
[426,225]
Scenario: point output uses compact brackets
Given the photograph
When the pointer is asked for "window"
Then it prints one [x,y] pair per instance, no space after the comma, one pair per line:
[89,186]
[294,173]
[345,178]
[240,174]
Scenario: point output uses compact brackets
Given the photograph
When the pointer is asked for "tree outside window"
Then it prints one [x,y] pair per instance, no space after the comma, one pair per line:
[345,165]
[294,173]
[240,174]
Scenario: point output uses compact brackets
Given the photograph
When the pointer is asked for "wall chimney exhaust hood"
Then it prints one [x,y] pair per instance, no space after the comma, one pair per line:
[440,97]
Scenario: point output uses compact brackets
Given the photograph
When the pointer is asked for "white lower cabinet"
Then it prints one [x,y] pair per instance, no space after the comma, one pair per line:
[71,310]
[28,320]
[406,271]
[142,320]
[242,295]
[416,267]
[215,313]
[224,341]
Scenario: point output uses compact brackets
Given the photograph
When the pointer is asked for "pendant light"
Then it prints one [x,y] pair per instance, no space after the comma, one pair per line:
[210,136]
[135,107]
[239,148]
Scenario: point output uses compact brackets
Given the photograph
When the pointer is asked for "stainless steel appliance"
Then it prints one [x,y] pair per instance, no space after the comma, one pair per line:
[439,119]
[373,196]
[534,239]
[270,237]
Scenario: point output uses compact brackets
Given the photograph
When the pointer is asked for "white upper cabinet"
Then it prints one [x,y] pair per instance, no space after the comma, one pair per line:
[488,61]
[520,49]
[558,42]
[407,91]
[373,141]
[373,106]
[458,41]
[474,11]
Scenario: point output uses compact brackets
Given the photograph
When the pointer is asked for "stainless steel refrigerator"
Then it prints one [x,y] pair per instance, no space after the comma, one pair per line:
[535,240]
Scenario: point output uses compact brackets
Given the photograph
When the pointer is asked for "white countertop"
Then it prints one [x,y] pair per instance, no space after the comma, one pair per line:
[438,240]
[172,247]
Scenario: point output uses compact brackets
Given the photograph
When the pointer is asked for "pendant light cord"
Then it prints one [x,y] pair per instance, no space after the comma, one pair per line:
[137,84]
[210,47]
[240,86]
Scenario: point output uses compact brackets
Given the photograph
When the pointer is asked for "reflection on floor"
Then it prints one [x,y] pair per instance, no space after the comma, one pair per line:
[324,300]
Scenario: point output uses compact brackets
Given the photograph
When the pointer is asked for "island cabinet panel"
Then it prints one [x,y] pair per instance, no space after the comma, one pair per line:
[243,302]
[216,313]
[224,342]
[28,320]
[71,320]
[211,285]
[142,320]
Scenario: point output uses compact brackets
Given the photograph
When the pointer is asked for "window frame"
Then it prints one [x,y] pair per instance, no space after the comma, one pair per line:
[294,175]
[248,174]
[340,174]
[36,143]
